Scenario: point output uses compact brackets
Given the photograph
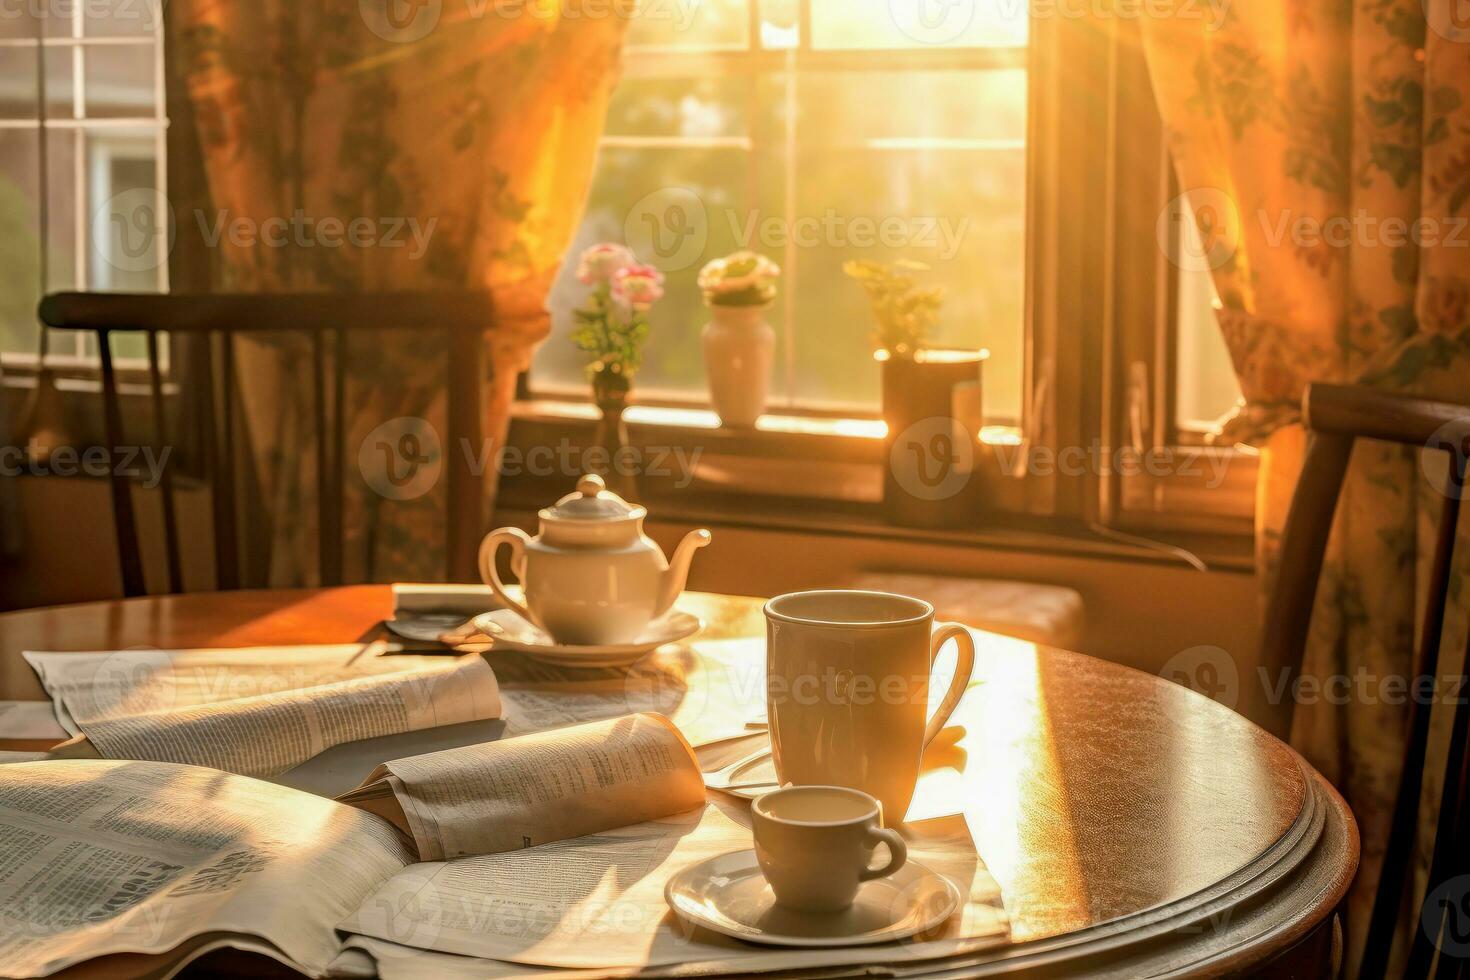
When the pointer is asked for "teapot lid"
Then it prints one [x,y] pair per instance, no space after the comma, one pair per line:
[592,501]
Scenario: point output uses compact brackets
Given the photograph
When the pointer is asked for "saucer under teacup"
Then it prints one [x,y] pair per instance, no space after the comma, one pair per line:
[507,630]
[729,895]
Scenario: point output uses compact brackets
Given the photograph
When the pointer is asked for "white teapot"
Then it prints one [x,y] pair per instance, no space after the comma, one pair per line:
[591,577]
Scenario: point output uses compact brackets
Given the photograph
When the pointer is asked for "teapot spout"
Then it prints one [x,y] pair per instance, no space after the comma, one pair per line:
[678,570]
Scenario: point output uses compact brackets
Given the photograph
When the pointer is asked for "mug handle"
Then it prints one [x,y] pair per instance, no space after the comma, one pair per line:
[898,853]
[964,667]
[517,539]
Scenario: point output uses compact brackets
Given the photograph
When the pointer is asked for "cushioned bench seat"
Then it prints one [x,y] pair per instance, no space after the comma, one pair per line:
[1048,614]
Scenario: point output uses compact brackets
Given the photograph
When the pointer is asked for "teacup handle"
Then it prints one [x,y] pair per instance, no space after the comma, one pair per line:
[517,539]
[964,667]
[898,853]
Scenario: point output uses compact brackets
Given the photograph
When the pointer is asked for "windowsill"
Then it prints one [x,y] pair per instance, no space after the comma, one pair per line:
[871,430]
[807,474]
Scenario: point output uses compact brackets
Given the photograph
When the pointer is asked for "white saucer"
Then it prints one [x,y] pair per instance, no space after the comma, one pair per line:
[508,631]
[729,895]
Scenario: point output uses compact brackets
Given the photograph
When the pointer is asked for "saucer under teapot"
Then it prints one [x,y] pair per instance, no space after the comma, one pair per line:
[591,577]
[505,631]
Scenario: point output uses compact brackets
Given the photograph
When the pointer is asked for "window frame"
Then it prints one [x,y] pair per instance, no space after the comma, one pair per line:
[1098,290]
[750,62]
[1192,484]
[89,134]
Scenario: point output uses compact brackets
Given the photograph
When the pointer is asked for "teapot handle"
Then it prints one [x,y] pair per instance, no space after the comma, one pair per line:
[517,539]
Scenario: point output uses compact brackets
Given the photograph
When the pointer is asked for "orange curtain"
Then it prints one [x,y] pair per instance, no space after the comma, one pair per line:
[385,145]
[1325,152]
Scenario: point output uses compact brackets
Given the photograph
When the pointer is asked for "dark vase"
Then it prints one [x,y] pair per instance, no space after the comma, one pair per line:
[928,476]
[610,455]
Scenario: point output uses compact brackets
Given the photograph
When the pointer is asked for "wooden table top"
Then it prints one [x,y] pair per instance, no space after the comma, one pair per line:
[1133,825]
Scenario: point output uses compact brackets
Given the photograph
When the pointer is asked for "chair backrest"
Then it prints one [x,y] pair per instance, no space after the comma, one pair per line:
[1336,417]
[212,323]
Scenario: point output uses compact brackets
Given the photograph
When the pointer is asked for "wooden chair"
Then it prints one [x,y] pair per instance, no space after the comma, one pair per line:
[1336,417]
[210,323]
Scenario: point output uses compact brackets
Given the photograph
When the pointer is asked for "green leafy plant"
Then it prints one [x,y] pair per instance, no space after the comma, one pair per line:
[905,311]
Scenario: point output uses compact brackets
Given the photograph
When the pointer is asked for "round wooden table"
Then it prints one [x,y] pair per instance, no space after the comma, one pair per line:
[1134,826]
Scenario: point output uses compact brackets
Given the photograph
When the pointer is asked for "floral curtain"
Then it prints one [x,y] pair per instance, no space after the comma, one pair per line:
[1324,146]
[384,145]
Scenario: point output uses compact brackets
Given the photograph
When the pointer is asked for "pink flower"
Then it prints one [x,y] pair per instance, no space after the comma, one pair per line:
[598,263]
[638,286]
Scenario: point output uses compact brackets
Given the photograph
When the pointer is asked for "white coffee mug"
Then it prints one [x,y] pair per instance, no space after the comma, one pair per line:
[815,845]
[848,676]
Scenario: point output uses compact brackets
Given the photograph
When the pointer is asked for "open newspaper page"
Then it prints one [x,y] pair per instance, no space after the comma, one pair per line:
[101,684]
[526,791]
[269,733]
[597,901]
[103,857]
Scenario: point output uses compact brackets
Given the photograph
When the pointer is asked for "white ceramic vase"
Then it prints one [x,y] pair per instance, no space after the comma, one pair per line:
[739,346]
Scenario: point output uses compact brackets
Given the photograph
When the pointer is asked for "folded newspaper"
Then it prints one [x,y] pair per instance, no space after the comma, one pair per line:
[105,856]
[136,868]
[550,849]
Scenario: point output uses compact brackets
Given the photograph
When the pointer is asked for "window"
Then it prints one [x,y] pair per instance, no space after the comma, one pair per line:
[1204,380]
[816,131]
[81,156]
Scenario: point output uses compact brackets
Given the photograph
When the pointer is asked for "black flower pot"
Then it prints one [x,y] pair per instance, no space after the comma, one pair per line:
[929,457]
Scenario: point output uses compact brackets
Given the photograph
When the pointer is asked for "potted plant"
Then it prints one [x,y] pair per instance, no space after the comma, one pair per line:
[930,456]
[738,342]
[612,328]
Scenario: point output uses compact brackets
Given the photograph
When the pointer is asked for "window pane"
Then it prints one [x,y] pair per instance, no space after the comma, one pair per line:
[20,246]
[927,166]
[18,21]
[1205,377]
[120,18]
[670,205]
[689,107]
[62,147]
[18,83]
[686,24]
[780,24]
[918,23]
[129,221]
[60,83]
[120,80]
[905,108]
[960,213]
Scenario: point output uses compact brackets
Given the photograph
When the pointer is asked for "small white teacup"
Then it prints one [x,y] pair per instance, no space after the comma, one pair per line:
[815,845]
